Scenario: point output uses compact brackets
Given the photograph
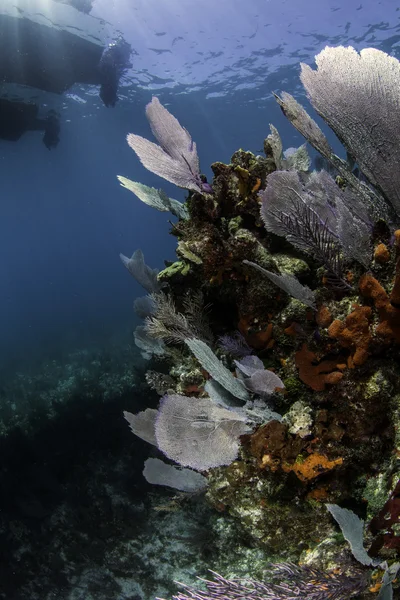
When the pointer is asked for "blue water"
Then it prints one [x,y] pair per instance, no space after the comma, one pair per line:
[64,218]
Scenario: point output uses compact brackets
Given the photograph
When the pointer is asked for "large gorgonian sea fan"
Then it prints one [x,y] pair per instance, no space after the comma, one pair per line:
[357,95]
[315,216]
[288,209]
[196,433]
[175,158]
[289,582]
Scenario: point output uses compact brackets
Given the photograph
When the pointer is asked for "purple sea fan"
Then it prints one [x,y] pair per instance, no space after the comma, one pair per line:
[295,583]
[175,158]
[196,433]
[235,344]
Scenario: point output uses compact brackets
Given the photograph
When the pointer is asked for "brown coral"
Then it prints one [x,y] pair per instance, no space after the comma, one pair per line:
[354,333]
[273,445]
[381,254]
[257,335]
[323,316]
[317,375]
[388,307]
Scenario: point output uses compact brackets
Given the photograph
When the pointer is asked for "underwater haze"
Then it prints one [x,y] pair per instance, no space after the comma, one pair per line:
[65,218]
[78,520]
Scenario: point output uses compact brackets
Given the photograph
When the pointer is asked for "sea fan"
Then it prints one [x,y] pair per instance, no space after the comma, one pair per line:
[288,582]
[175,158]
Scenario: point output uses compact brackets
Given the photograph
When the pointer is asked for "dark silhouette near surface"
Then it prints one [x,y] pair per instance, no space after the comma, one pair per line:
[52,60]
[18,117]
[113,64]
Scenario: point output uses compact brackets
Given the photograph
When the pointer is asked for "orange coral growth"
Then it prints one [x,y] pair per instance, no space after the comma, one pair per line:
[354,333]
[371,288]
[313,466]
[324,317]
[336,328]
[292,330]
[258,336]
[381,254]
[395,295]
[256,186]
[317,375]
[388,308]
[318,494]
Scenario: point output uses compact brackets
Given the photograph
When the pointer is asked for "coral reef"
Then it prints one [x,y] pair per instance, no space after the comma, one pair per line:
[31,397]
[323,317]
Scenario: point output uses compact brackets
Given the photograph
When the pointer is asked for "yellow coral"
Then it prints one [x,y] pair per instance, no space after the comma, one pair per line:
[313,466]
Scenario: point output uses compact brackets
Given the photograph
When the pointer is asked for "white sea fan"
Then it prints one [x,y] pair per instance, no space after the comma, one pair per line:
[175,159]
[157,472]
[353,531]
[196,433]
[289,284]
[148,345]
[357,94]
[216,369]
[157,199]
[143,424]
[145,275]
